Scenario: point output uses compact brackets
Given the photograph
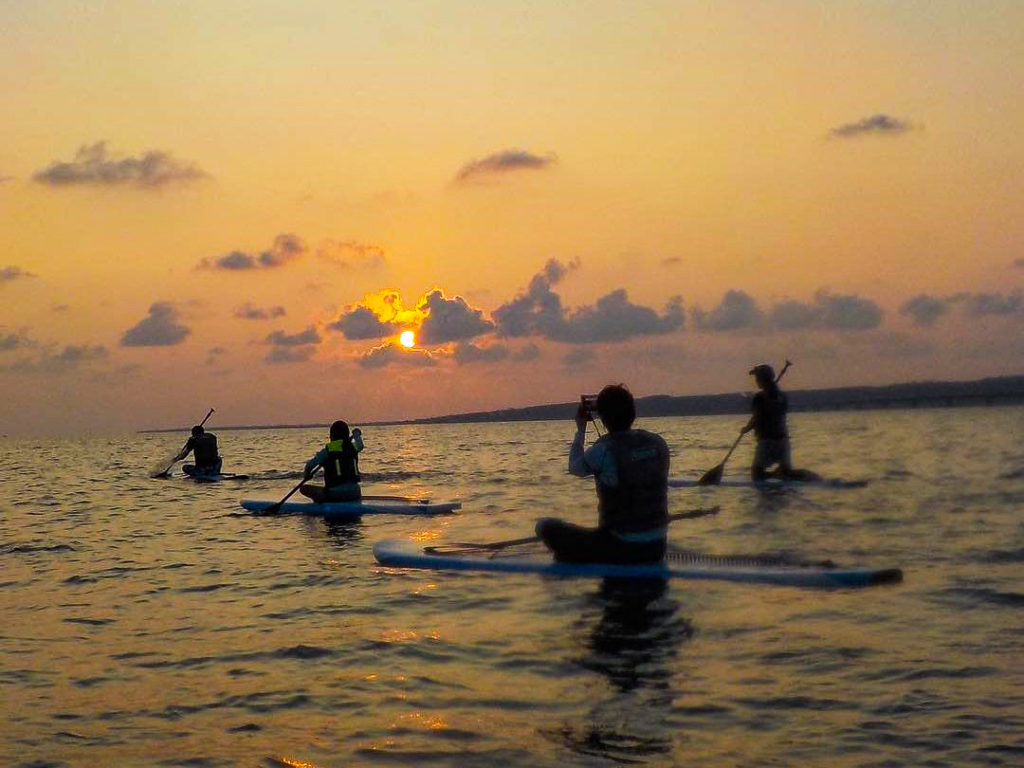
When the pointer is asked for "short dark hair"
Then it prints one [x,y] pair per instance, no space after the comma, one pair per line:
[616,407]
[339,430]
[197,430]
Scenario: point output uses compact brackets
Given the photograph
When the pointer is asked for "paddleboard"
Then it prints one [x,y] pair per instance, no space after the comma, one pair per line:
[216,478]
[354,509]
[772,482]
[403,553]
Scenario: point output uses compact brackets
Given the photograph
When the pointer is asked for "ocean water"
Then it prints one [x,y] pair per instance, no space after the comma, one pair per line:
[150,622]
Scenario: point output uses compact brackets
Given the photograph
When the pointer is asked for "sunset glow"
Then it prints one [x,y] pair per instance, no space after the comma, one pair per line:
[661,193]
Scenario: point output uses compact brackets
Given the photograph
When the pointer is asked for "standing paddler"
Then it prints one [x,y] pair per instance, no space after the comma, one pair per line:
[768,420]
[630,469]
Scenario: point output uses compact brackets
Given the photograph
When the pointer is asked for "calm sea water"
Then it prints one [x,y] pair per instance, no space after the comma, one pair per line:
[147,622]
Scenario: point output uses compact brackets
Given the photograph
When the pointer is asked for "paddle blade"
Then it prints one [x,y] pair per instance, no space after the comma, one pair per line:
[713,476]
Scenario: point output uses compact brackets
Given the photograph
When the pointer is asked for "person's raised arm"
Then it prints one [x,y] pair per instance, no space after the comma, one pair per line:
[577,459]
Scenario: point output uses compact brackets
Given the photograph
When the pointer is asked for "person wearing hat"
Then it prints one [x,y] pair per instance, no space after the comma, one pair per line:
[768,420]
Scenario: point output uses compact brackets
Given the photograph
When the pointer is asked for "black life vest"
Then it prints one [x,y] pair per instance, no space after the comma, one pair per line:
[640,501]
[769,408]
[205,449]
[340,466]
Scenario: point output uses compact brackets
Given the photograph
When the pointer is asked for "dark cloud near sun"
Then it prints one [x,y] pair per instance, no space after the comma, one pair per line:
[392,354]
[162,327]
[286,247]
[11,273]
[361,323]
[539,312]
[93,165]
[450,319]
[248,311]
[875,125]
[504,162]
[467,353]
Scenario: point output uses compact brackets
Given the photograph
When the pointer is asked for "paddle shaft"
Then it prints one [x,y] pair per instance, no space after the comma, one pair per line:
[273,509]
[693,513]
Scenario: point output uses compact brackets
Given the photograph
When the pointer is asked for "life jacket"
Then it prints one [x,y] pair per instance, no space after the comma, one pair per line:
[770,407]
[205,449]
[340,467]
[640,501]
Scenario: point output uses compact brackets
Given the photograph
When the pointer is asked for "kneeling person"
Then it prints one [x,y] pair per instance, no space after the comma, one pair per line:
[630,468]
[340,460]
[204,446]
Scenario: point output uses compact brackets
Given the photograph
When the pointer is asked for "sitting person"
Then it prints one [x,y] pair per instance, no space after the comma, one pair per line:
[630,467]
[204,444]
[340,460]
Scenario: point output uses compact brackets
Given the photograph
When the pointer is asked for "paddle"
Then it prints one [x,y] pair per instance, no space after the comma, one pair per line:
[714,475]
[690,515]
[176,458]
[273,509]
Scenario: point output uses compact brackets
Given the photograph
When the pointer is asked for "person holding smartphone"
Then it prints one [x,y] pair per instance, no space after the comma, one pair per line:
[630,469]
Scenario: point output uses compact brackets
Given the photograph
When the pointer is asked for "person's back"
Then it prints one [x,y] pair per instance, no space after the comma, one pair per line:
[340,460]
[205,450]
[639,500]
[630,469]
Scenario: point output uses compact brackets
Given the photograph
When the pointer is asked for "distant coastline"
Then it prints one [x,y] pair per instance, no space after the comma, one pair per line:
[1002,390]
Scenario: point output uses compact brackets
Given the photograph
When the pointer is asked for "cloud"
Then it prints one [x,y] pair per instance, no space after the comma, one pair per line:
[250,312]
[828,311]
[1018,263]
[504,162]
[285,248]
[12,273]
[213,354]
[392,354]
[449,319]
[671,261]
[160,328]
[875,125]
[282,339]
[736,311]
[360,323]
[981,304]
[52,361]
[352,255]
[525,353]
[615,318]
[467,353]
[292,347]
[14,341]
[926,310]
[581,357]
[93,166]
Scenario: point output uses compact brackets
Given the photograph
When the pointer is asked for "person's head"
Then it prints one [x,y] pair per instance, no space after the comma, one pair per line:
[339,430]
[763,374]
[197,431]
[616,408]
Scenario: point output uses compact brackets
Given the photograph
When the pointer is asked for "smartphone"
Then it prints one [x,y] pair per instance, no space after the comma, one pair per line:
[589,404]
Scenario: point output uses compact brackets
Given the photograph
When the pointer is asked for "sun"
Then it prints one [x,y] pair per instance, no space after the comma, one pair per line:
[407,339]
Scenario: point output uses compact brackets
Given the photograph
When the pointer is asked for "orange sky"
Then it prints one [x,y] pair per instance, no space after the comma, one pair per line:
[839,183]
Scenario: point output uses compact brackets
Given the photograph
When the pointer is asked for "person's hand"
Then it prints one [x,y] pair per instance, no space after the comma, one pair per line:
[583,415]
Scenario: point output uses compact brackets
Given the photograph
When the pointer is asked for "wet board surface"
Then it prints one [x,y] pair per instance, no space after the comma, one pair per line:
[403,553]
[354,509]
[680,482]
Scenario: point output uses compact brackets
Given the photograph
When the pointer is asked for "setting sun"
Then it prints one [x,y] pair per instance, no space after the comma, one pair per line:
[407,339]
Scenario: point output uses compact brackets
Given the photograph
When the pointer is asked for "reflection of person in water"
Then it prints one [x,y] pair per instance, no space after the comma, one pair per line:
[632,645]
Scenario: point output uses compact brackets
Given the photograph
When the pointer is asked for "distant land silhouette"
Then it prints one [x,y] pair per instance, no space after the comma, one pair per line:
[1002,390]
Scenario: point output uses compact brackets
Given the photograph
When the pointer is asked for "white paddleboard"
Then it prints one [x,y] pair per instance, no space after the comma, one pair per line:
[403,553]
[354,509]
